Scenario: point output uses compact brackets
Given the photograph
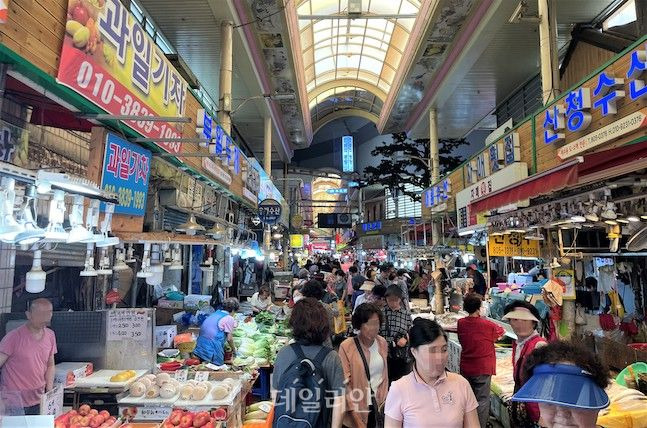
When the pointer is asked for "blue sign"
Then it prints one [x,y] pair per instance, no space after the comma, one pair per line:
[575,115]
[437,194]
[126,171]
[353,184]
[269,211]
[341,191]
[347,157]
[372,227]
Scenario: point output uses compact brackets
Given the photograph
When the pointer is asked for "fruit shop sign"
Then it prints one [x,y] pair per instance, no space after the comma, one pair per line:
[126,171]
[108,58]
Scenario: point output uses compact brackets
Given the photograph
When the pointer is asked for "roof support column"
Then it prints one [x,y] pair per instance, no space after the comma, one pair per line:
[226,68]
[267,146]
[548,49]
[434,172]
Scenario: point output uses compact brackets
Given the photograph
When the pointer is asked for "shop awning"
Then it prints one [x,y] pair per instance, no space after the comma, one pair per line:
[578,171]
[548,181]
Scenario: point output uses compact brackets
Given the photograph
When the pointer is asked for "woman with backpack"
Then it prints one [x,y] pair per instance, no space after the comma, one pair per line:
[363,358]
[430,396]
[308,380]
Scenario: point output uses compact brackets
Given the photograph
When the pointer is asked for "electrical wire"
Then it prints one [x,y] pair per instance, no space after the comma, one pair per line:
[261,18]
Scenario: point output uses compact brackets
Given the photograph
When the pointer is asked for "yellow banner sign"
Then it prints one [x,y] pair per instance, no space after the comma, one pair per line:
[296,241]
[513,245]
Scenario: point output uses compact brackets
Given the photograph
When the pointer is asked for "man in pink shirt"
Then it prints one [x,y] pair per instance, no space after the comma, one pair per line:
[27,358]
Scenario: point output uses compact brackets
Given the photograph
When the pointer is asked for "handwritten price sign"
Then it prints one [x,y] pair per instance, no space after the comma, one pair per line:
[127,324]
[51,403]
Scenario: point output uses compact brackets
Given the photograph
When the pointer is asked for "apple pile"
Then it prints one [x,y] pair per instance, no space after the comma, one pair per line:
[85,417]
[185,419]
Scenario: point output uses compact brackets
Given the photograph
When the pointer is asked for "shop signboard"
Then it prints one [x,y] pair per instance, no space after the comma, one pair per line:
[437,194]
[109,59]
[347,155]
[512,245]
[126,171]
[296,241]
[617,91]
[617,129]
[269,211]
[372,227]
[215,170]
[340,191]
[502,178]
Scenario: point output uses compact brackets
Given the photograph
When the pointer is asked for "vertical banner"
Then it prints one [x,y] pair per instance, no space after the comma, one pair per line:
[126,171]
[109,59]
[347,155]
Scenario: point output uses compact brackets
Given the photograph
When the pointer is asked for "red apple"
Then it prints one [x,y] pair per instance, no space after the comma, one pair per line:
[201,419]
[60,424]
[105,414]
[176,417]
[93,412]
[80,14]
[75,426]
[186,421]
[168,424]
[95,422]
[111,420]
[72,413]
[208,425]
[85,421]
[84,410]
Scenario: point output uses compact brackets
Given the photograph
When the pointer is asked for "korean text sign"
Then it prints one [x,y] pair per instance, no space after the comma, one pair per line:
[126,171]
[109,59]
[512,245]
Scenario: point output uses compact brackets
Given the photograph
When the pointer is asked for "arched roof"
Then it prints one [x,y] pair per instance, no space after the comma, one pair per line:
[360,55]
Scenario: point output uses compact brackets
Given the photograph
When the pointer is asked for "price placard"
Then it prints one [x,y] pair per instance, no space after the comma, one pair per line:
[182,375]
[201,376]
[153,413]
[127,324]
[51,403]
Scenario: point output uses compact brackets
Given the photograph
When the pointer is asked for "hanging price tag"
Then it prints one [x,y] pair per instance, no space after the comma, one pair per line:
[201,376]
[182,375]
[127,324]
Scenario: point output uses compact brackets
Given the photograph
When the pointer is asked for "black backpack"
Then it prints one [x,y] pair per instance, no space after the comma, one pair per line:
[301,398]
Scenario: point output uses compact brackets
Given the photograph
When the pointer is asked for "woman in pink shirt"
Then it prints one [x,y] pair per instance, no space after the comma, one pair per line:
[429,396]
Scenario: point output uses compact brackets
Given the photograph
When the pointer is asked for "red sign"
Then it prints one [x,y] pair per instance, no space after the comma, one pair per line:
[109,59]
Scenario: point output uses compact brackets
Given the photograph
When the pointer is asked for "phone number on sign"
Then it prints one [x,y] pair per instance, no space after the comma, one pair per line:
[127,197]
[113,97]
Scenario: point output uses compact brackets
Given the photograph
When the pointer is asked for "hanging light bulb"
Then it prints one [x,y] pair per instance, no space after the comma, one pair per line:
[633,218]
[55,231]
[89,262]
[107,240]
[120,263]
[104,263]
[144,271]
[130,254]
[9,227]
[168,256]
[32,233]
[216,231]
[177,261]
[92,221]
[36,277]
[78,233]
[609,211]
[191,227]
[156,267]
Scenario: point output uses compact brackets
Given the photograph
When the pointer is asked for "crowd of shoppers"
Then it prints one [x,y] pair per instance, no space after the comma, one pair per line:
[391,371]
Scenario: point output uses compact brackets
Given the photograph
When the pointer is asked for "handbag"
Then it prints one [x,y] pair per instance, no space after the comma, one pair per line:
[378,410]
